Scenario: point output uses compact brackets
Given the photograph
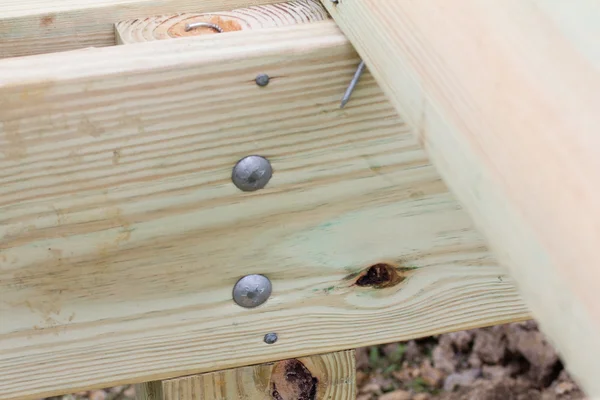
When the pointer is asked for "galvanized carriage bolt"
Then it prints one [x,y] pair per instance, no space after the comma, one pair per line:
[189,27]
[252,173]
[252,291]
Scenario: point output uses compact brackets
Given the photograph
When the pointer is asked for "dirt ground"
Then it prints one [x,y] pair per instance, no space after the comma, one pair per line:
[505,362]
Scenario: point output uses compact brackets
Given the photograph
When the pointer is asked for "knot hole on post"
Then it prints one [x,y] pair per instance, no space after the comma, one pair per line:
[291,380]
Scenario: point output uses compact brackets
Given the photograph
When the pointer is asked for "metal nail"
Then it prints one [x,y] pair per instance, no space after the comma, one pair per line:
[252,291]
[270,338]
[335,1]
[355,78]
[189,27]
[251,173]
[262,79]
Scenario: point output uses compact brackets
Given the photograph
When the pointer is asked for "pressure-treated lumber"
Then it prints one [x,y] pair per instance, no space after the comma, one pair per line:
[505,98]
[149,391]
[44,26]
[122,234]
[173,26]
[328,376]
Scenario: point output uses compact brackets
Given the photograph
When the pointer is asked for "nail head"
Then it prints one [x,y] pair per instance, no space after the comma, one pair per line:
[262,79]
[270,338]
[252,173]
[252,291]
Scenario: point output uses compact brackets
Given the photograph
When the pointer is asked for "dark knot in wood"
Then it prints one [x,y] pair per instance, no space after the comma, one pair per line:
[291,380]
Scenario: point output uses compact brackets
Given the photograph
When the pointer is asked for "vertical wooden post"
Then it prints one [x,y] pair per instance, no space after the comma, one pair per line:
[149,391]
[328,376]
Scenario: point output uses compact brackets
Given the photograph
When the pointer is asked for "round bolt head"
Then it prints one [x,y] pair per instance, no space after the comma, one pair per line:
[252,291]
[251,173]
[270,338]
[262,79]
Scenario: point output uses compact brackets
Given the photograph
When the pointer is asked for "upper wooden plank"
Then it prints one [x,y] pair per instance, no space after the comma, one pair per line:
[505,97]
[123,235]
[44,26]
[171,26]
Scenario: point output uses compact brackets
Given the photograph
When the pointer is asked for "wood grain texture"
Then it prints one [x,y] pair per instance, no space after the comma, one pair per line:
[30,27]
[505,98]
[122,234]
[149,391]
[319,377]
[266,16]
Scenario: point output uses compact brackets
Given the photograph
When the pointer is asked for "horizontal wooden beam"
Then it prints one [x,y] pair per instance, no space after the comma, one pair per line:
[505,98]
[123,235]
[170,26]
[30,27]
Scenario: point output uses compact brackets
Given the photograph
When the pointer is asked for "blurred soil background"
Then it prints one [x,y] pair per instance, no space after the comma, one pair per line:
[504,362]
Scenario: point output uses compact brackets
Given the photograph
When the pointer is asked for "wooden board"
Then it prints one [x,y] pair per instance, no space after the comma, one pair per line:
[144,29]
[122,234]
[505,98]
[44,26]
[328,376]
